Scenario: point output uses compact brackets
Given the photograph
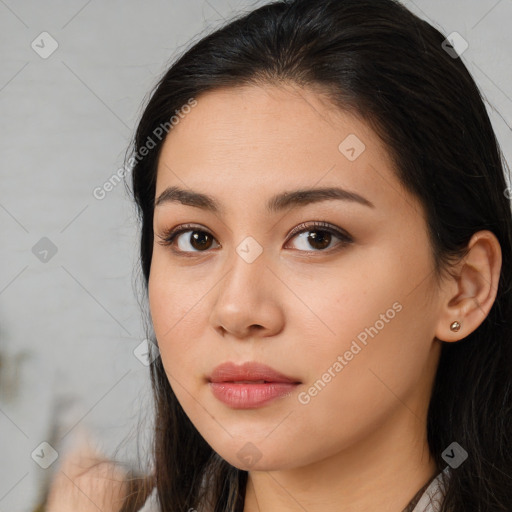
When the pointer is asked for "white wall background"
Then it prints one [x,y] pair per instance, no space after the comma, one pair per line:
[69,325]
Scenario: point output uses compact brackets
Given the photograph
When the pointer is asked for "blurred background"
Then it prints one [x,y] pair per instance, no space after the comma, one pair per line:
[74,77]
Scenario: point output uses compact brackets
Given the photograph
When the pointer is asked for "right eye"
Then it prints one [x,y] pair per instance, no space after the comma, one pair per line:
[199,239]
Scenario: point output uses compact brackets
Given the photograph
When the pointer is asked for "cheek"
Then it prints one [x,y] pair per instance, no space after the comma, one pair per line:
[369,319]
[338,305]
[174,305]
[175,329]
[353,386]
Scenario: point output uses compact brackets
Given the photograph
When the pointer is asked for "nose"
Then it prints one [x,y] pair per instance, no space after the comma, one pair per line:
[247,301]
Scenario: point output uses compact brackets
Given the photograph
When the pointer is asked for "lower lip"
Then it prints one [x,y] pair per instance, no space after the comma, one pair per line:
[247,396]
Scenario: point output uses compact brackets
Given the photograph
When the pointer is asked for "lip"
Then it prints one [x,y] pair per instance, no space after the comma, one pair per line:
[249,371]
[249,385]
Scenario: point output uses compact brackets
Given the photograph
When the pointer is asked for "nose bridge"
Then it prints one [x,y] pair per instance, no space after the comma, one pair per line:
[247,265]
[250,250]
[244,297]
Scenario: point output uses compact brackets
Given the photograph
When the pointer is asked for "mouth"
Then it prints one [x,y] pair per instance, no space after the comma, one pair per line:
[249,385]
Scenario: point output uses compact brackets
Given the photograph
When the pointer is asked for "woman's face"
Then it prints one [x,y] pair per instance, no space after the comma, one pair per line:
[346,309]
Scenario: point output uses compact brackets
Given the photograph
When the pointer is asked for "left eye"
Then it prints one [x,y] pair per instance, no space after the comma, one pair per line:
[319,235]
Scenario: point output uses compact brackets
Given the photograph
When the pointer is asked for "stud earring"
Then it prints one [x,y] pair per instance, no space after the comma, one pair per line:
[455,326]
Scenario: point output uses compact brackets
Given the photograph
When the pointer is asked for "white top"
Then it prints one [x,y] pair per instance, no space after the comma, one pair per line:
[430,500]
[150,505]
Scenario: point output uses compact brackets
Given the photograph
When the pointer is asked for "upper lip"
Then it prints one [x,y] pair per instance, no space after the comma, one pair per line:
[249,371]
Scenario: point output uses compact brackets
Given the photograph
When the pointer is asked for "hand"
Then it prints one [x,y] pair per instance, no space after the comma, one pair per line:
[86,482]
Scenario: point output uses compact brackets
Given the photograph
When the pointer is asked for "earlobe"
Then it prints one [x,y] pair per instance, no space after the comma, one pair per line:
[469,298]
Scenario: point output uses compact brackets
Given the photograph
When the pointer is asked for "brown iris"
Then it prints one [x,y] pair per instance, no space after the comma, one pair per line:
[202,239]
[323,240]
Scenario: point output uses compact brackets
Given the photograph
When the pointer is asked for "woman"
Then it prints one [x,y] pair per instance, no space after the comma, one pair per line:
[326,251]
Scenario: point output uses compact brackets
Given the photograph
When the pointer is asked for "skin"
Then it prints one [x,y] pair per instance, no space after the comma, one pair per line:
[360,444]
[86,480]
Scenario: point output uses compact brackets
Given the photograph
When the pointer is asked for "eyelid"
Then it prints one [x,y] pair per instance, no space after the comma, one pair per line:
[320,225]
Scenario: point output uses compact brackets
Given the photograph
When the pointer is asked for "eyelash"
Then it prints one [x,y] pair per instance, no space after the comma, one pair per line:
[168,236]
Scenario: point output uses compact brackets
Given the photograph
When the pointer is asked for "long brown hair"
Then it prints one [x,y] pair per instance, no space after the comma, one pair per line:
[378,59]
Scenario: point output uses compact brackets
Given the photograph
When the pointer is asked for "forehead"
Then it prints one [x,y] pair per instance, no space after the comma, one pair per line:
[250,115]
[270,138]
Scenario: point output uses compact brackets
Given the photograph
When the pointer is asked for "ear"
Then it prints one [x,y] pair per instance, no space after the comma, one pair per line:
[469,297]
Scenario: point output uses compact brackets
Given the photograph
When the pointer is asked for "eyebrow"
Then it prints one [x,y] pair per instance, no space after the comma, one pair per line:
[277,203]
